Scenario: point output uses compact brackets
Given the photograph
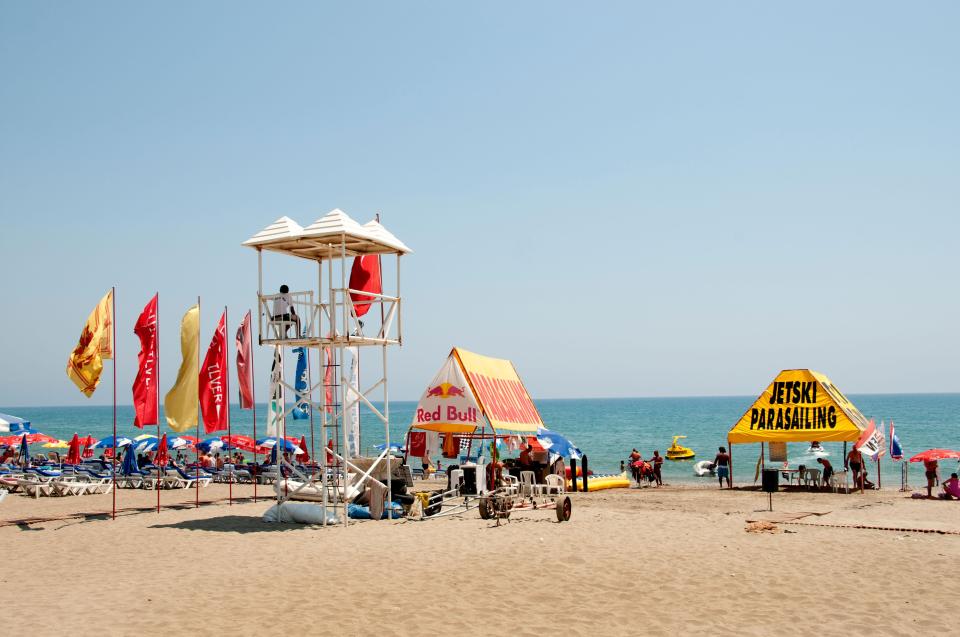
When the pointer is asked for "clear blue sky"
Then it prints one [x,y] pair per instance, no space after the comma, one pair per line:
[636,199]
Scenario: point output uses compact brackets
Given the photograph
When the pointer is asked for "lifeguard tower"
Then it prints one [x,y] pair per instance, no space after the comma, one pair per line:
[326,319]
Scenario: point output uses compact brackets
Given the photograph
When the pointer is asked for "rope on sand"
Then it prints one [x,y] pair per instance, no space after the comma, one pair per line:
[876,528]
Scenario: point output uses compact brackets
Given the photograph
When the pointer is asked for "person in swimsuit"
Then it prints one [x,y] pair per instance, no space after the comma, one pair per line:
[635,460]
[656,461]
[853,462]
[722,462]
[931,472]
[951,484]
[827,470]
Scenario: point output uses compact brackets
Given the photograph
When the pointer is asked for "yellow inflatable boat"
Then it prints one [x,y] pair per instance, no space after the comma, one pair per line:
[598,483]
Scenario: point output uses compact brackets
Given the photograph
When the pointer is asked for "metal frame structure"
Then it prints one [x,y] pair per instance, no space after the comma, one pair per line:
[327,321]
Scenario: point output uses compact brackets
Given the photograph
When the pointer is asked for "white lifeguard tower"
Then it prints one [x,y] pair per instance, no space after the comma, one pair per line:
[325,319]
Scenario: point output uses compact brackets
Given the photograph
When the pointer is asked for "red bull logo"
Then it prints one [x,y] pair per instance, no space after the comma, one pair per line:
[445,390]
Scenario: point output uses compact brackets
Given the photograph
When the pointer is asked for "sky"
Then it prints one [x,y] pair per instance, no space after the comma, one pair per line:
[626,199]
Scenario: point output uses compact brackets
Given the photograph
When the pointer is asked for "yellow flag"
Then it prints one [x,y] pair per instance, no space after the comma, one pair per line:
[96,343]
[180,403]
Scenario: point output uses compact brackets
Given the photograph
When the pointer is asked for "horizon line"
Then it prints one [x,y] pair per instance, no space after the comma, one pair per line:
[694,396]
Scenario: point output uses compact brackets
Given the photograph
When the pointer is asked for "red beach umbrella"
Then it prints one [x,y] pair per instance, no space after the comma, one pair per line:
[35,438]
[936,454]
[88,443]
[241,442]
[162,458]
[304,457]
[73,454]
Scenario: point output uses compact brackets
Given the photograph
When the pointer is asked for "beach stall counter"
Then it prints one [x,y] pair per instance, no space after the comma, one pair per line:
[476,411]
[800,405]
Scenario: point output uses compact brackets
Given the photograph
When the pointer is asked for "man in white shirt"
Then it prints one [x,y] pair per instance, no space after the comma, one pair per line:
[283,310]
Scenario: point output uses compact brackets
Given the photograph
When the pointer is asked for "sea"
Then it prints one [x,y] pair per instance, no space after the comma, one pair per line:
[604,429]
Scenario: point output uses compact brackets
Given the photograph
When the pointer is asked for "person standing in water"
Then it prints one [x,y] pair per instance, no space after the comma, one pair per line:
[722,463]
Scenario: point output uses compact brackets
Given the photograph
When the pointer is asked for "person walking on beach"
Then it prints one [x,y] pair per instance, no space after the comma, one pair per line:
[657,461]
[930,466]
[722,463]
[635,461]
[853,462]
[827,471]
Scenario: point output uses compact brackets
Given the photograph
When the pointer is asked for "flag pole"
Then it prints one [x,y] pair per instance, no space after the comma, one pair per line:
[226,392]
[253,390]
[156,344]
[196,469]
[113,346]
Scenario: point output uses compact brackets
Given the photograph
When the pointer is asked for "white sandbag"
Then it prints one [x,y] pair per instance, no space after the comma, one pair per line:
[300,513]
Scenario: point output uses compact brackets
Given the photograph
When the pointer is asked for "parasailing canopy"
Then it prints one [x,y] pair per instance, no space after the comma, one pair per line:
[800,405]
[469,386]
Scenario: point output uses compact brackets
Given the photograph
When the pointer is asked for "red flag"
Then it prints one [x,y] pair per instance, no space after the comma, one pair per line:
[145,384]
[213,380]
[245,363]
[365,276]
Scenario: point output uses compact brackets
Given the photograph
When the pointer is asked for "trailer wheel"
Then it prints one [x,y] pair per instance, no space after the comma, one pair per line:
[485,509]
[564,508]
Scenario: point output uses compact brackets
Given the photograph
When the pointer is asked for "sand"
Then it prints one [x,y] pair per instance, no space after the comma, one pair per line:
[643,561]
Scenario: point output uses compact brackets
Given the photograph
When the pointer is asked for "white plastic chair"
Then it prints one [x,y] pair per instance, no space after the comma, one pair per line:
[811,477]
[554,484]
[511,484]
[838,479]
[528,484]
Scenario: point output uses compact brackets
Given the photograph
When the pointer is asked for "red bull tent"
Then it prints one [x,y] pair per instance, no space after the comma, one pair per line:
[799,405]
[472,391]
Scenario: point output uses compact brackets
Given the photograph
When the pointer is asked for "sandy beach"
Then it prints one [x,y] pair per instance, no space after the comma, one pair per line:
[638,560]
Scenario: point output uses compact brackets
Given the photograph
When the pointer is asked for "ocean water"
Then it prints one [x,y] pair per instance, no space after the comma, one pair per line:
[605,429]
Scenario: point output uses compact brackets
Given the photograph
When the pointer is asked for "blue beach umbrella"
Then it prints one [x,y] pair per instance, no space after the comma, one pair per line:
[13,424]
[212,444]
[395,447]
[558,444]
[286,445]
[108,442]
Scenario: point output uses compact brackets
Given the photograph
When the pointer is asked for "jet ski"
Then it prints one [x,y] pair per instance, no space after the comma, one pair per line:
[704,468]
[817,450]
[677,452]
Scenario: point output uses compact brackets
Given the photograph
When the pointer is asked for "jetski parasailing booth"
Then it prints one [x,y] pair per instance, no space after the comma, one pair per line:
[800,405]
[473,399]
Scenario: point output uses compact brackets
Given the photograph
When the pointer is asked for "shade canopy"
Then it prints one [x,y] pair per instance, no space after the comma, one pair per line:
[936,454]
[469,386]
[13,424]
[323,238]
[800,405]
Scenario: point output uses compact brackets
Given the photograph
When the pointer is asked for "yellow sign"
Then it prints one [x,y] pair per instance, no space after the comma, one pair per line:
[799,405]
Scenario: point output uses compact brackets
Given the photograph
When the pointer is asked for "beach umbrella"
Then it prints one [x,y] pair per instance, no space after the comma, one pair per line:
[163,453]
[211,444]
[24,450]
[59,444]
[305,457]
[193,440]
[936,454]
[13,424]
[87,443]
[129,466]
[178,442]
[285,445]
[558,444]
[107,442]
[34,438]
[73,456]
[395,447]
[144,443]
[237,441]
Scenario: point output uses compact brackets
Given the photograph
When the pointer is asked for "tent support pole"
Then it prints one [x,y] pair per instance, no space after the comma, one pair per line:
[730,477]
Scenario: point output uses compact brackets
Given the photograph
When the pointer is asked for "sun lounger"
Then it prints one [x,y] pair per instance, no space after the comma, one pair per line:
[35,488]
[41,474]
[69,487]
[178,478]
